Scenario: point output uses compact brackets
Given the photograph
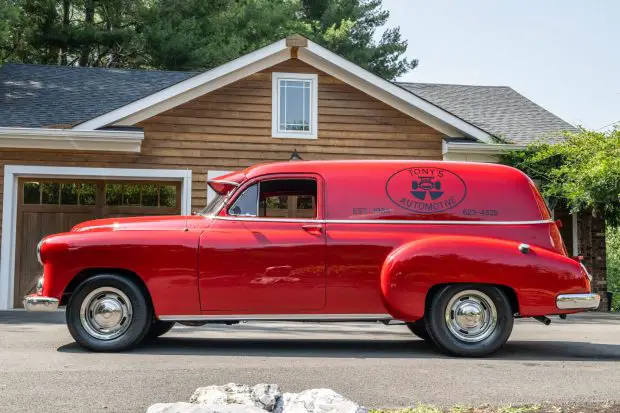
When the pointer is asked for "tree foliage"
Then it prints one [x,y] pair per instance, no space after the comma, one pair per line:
[583,171]
[613,265]
[193,34]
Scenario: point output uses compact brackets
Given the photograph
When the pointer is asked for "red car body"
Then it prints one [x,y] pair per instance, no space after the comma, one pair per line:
[375,250]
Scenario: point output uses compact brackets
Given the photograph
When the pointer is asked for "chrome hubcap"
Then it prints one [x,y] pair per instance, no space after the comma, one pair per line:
[471,316]
[106,313]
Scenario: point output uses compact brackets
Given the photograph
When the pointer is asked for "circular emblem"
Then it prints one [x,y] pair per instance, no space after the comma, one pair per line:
[426,190]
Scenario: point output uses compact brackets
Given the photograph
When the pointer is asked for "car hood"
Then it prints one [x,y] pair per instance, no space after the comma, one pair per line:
[146,223]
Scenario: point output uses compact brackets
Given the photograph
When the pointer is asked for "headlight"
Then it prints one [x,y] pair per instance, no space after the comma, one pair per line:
[39,252]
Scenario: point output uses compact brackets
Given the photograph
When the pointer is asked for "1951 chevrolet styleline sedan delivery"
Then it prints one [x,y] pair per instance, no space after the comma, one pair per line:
[454,250]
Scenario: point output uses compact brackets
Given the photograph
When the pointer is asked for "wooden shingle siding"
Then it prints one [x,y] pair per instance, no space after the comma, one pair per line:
[230,129]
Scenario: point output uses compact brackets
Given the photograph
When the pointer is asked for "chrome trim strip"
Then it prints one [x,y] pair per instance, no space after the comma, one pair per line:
[38,303]
[381,221]
[276,317]
[578,301]
[219,181]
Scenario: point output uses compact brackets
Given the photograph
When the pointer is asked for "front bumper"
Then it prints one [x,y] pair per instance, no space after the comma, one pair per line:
[39,303]
[587,301]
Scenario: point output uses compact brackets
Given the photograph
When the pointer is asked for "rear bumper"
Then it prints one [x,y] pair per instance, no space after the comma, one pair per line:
[587,301]
[40,303]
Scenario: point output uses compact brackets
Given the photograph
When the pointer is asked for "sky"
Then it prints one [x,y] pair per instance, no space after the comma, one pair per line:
[562,54]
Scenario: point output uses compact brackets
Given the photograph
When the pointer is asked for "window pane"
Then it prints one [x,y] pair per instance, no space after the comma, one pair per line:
[288,198]
[113,194]
[32,193]
[131,195]
[50,193]
[245,205]
[68,194]
[150,195]
[168,196]
[88,194]
[295,98]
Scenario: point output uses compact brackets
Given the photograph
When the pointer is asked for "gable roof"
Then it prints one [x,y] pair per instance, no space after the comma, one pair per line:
[499,110]
[56,96]
[48,96]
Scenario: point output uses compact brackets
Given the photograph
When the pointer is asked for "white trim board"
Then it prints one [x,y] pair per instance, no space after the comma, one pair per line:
[70,139]
[268,56]
[9,213]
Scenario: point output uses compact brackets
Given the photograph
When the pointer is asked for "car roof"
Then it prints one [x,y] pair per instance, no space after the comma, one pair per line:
[344,166]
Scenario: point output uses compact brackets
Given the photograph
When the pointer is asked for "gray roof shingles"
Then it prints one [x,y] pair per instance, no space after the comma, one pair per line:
[48,96]
[498,110]
[58,96]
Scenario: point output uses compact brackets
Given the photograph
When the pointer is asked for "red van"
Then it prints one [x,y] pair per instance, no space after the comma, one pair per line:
[454,250]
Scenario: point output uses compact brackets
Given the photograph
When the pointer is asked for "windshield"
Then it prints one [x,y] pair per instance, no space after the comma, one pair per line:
[214,206]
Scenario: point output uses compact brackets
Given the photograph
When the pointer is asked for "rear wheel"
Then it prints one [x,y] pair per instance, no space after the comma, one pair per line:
[159,328]
[469,320]
[108,312]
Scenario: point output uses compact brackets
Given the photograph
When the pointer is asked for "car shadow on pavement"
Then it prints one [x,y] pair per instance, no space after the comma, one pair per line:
[339,348]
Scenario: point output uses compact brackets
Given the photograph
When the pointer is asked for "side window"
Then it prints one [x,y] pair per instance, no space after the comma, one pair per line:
[288,198]
[278,198]
[246,205]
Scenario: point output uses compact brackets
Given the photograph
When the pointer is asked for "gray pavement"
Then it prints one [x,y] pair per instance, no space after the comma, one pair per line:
[577,360]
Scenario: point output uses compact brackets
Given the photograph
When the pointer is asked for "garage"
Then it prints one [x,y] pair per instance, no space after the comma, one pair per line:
[48,206]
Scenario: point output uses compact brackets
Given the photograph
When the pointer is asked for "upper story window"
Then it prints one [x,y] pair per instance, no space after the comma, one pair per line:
[294,105]
[278,198]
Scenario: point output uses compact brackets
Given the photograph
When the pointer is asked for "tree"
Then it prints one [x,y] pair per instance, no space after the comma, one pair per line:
[192,34]
[202,34]
[583,171]
[9,38]
[348,28]
[69,32]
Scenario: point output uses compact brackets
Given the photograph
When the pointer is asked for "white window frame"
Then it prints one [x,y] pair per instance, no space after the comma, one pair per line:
[276,77]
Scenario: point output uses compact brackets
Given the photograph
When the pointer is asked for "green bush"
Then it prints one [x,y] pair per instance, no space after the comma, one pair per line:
[613,266]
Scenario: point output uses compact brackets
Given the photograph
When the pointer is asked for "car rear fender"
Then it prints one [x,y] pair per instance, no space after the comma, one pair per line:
[536,275]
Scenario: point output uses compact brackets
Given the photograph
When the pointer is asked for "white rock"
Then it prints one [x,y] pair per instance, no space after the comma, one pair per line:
[317,401]
[182,407]
[262,395]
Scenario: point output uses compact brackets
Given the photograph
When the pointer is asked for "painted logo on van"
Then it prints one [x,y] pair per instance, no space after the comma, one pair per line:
[426,190]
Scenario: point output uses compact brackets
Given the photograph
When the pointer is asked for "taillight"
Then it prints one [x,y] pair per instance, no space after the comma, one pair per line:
[556,239]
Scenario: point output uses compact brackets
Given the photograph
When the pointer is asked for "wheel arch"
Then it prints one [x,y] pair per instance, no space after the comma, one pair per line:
[413,272]
[87,273]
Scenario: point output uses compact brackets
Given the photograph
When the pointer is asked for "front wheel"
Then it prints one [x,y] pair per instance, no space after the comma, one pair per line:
[108,312]
[469,320]
[159,328]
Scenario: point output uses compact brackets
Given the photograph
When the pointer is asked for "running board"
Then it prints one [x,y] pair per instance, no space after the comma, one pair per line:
[279,317]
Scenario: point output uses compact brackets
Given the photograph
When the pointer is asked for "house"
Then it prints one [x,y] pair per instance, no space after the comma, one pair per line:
[82,143]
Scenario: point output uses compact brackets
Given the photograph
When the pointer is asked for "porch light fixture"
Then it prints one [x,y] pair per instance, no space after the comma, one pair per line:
[295,156]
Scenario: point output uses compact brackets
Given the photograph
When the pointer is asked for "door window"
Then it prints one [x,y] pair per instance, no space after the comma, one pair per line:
[278,198]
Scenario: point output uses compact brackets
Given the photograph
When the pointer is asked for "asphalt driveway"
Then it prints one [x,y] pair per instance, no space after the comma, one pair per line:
[576,360]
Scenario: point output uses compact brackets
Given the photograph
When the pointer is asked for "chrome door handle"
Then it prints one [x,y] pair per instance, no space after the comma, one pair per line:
[313,228]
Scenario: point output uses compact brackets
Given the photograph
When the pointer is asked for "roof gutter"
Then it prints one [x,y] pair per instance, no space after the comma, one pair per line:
[71,139]
[475,148]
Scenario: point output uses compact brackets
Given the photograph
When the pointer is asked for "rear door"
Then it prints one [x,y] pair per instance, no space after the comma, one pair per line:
[265,253]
